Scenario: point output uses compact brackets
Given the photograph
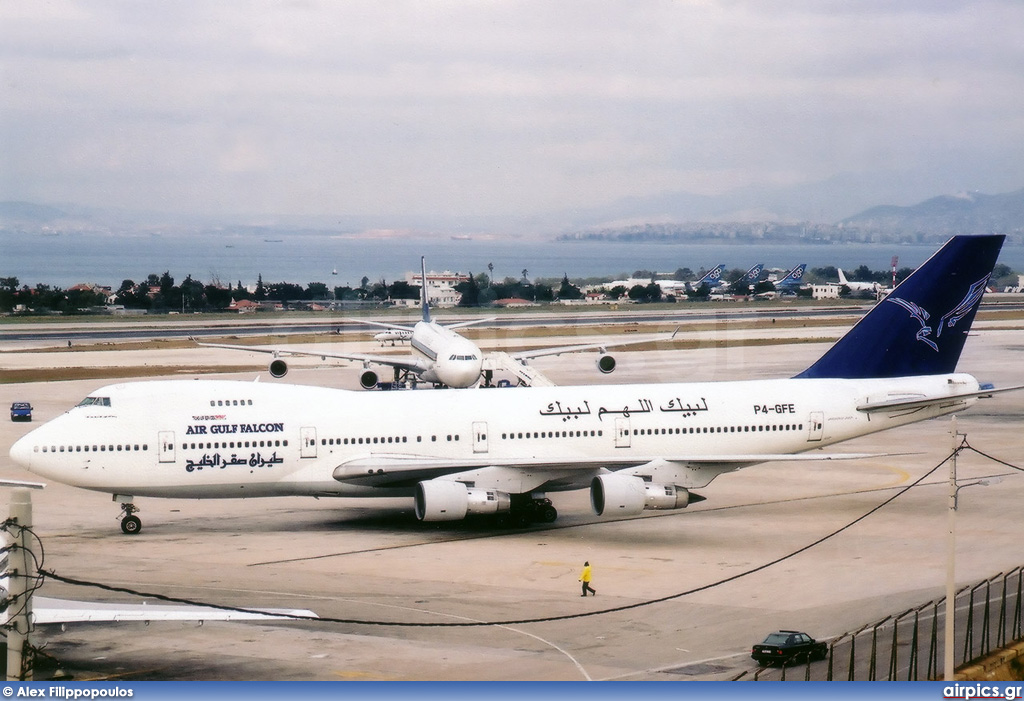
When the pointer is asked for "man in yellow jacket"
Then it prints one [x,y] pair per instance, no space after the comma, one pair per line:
[585,578]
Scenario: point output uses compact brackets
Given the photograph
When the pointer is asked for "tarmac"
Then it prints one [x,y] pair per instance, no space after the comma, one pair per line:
[681,595]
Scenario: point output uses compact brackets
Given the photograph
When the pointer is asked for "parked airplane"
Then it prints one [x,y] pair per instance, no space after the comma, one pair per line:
[792,280]
[712,278]
[440,355]
[857,286]
[393,336]
[750,277]
[643,446]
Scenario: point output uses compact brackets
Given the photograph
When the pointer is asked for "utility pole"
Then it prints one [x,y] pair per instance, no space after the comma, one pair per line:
[948,643]
[21,563]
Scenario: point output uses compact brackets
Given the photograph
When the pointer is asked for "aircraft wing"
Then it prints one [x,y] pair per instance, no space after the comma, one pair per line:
[379,324]
[463,324]
[919,402]
[558,350]
[46,611]
[406,362]
[396,471]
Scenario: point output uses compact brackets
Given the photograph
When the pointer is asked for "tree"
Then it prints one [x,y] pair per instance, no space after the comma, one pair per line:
[261,291]
[8,290]
[567,290]
[470,292]
[193,294]
[400,289]
[317,290]
[218,297]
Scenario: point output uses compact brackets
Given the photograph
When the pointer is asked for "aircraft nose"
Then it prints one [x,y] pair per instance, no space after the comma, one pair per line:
[21,452]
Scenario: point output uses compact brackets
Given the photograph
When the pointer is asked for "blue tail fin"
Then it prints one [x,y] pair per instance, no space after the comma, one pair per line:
[794,278]
[921,327]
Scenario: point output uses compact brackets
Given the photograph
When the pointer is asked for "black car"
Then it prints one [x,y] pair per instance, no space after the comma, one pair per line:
[21,411]
[788,646]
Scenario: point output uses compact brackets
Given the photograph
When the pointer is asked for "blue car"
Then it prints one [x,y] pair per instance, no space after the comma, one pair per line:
[21,411]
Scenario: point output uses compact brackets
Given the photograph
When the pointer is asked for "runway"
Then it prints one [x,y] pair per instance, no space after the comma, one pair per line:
[371,561]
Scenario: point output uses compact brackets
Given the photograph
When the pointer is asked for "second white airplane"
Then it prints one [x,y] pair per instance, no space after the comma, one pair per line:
[440,355]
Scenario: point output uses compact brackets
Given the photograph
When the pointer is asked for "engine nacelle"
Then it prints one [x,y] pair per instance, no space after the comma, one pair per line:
[605,363]
[278,368]
[447,500]
[368,380]
[627,495]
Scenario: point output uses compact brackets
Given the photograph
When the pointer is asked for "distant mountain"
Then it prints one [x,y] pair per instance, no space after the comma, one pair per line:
[28,213]
[966,213]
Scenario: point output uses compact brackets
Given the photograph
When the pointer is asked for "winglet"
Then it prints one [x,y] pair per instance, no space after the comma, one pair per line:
[423,289]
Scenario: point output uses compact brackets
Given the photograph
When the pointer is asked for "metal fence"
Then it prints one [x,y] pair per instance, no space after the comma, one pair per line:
[909,646]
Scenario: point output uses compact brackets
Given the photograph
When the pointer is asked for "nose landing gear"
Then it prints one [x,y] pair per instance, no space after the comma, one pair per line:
[130,523]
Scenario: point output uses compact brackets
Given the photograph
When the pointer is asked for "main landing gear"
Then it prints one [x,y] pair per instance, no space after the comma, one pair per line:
[130,523]
[526,510]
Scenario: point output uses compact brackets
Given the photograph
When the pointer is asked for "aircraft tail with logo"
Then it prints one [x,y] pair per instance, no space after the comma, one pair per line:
[711,278]
[921,327]
[793,279]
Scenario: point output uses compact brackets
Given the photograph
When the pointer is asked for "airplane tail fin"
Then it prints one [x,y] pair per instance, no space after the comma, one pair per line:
[842,277]
[921,327]
[754,273]
[712,276]
[423,289]
[794,276]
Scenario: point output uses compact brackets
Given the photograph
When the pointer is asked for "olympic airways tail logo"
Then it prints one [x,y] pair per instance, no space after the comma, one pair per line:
[949,319]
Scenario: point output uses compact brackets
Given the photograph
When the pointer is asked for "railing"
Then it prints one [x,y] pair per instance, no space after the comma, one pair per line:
[909,646]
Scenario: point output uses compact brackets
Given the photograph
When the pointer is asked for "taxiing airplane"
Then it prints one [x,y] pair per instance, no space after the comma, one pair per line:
[440,355]
[637,447]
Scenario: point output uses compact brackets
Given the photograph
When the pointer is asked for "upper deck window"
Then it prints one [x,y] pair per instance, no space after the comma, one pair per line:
[95,401]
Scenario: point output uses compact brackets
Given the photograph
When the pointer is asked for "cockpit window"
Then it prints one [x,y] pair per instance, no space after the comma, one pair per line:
[95,401]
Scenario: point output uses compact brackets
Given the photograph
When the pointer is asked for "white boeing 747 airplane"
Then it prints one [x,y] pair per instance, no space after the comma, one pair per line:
[440,355]
[636,447]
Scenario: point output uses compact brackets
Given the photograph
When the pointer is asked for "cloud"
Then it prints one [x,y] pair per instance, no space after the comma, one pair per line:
[496,108]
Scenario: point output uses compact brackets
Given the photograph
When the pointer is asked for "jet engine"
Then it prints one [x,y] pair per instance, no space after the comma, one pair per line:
[605,363]
[368,380]
[627,495]
[447,500]
[278,368]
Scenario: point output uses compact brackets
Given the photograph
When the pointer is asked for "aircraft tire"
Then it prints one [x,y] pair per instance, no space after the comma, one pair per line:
[548,514]
[131,525]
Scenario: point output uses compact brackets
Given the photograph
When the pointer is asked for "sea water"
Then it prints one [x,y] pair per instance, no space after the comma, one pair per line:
[68,259]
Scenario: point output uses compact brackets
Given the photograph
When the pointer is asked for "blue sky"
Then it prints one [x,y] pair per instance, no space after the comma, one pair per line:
[501,109]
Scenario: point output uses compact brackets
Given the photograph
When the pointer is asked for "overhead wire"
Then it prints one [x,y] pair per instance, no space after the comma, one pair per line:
[545,619]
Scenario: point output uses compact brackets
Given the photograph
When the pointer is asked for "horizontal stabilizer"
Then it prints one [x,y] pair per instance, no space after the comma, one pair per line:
[920,402]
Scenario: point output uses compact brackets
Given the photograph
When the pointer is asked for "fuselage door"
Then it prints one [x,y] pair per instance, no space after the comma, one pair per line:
[307,434]
[817,426]
[165,446]
[622,432]
[479,436]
